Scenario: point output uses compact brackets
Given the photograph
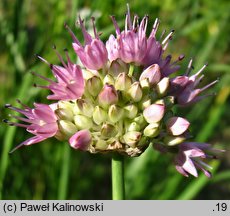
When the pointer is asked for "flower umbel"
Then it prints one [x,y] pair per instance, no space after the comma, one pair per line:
[121,99]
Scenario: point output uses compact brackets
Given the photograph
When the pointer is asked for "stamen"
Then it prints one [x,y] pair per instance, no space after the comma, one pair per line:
[72,34]
[94,28]
[86,35]
[201,70]
[40,86]
[162,34]
[135,22]
[21,118]
[118,32]
[42,77]
[128,20]
[68,58]
[8,105]
[59,56]
[209,85]
[42,59]
[189,68]
[168,37]
[155,28]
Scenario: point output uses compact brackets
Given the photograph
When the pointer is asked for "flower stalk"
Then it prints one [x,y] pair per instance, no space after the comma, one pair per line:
[118,183]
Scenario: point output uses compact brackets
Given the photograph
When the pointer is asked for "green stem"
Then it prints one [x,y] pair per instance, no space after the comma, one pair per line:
[118,186]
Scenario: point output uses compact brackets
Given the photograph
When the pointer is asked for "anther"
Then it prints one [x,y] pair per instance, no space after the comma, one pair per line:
[8,105]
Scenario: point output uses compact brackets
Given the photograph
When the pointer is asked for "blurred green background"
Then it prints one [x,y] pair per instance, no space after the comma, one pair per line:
[51,170]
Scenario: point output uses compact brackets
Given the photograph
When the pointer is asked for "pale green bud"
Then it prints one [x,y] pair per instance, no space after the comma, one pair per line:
[83,107]
[162,86]
[123,82]
[174,140]
[145,83]
[141,121]
[131,138]
[135,92]
[67,128]
[65,105]
[87,74]
[130,111]
[144,142]
[108,130]
[108,79]
[99,115]
[82,122]
[94,85]
[115,113]
[101,145]
[152,130]
[118,67]
[132,126]
[65,114]
[145,102]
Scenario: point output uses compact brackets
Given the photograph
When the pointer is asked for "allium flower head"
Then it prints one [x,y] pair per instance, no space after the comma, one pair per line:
[122,99]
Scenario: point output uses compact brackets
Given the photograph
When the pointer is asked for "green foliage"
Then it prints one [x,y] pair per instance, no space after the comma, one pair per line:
[51,170]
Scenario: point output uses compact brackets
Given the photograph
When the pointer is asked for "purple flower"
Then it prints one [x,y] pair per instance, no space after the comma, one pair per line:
[184,87]
[70,82]
[81,140]
[152,73]
[190,158]
[41,121]
[130,44]
[93,54]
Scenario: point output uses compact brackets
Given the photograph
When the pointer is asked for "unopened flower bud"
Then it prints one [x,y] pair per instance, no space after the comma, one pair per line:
[130,111]
[144,142]
[132,126]
[174,140]
[162,86]
[135,92]
[140,120]
[145,84]
[123,82]
[145,102]
[64,114]
[67,128]
[108,131]
[83,107]
[169,101]
[81,140]
[177,125]
[87,74]
[108,79]
[152,130]
[94,85]
[83,122]
[132,137]
[99,115]
[154,113]
[108,96]
[115,113]
[152,73]
[65,105]
[117,67]
[101,145]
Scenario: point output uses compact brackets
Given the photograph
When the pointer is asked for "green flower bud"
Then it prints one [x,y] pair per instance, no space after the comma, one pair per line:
[132,126]
[83,107]
[169,101]
[64,114]
[162,86]
[174,140]
[108,79]
[99,115]
[135,92]
[67,128]
[145,102]
[94,85]
[152,130]
[117,67]
[101,145]
[108,131]
[83,122]
[144,142]
[145,83]
[130,111]
[107,96]
[131,138]
[123,82]
[65,105]
[87,74]
[115,113]
[141,121]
